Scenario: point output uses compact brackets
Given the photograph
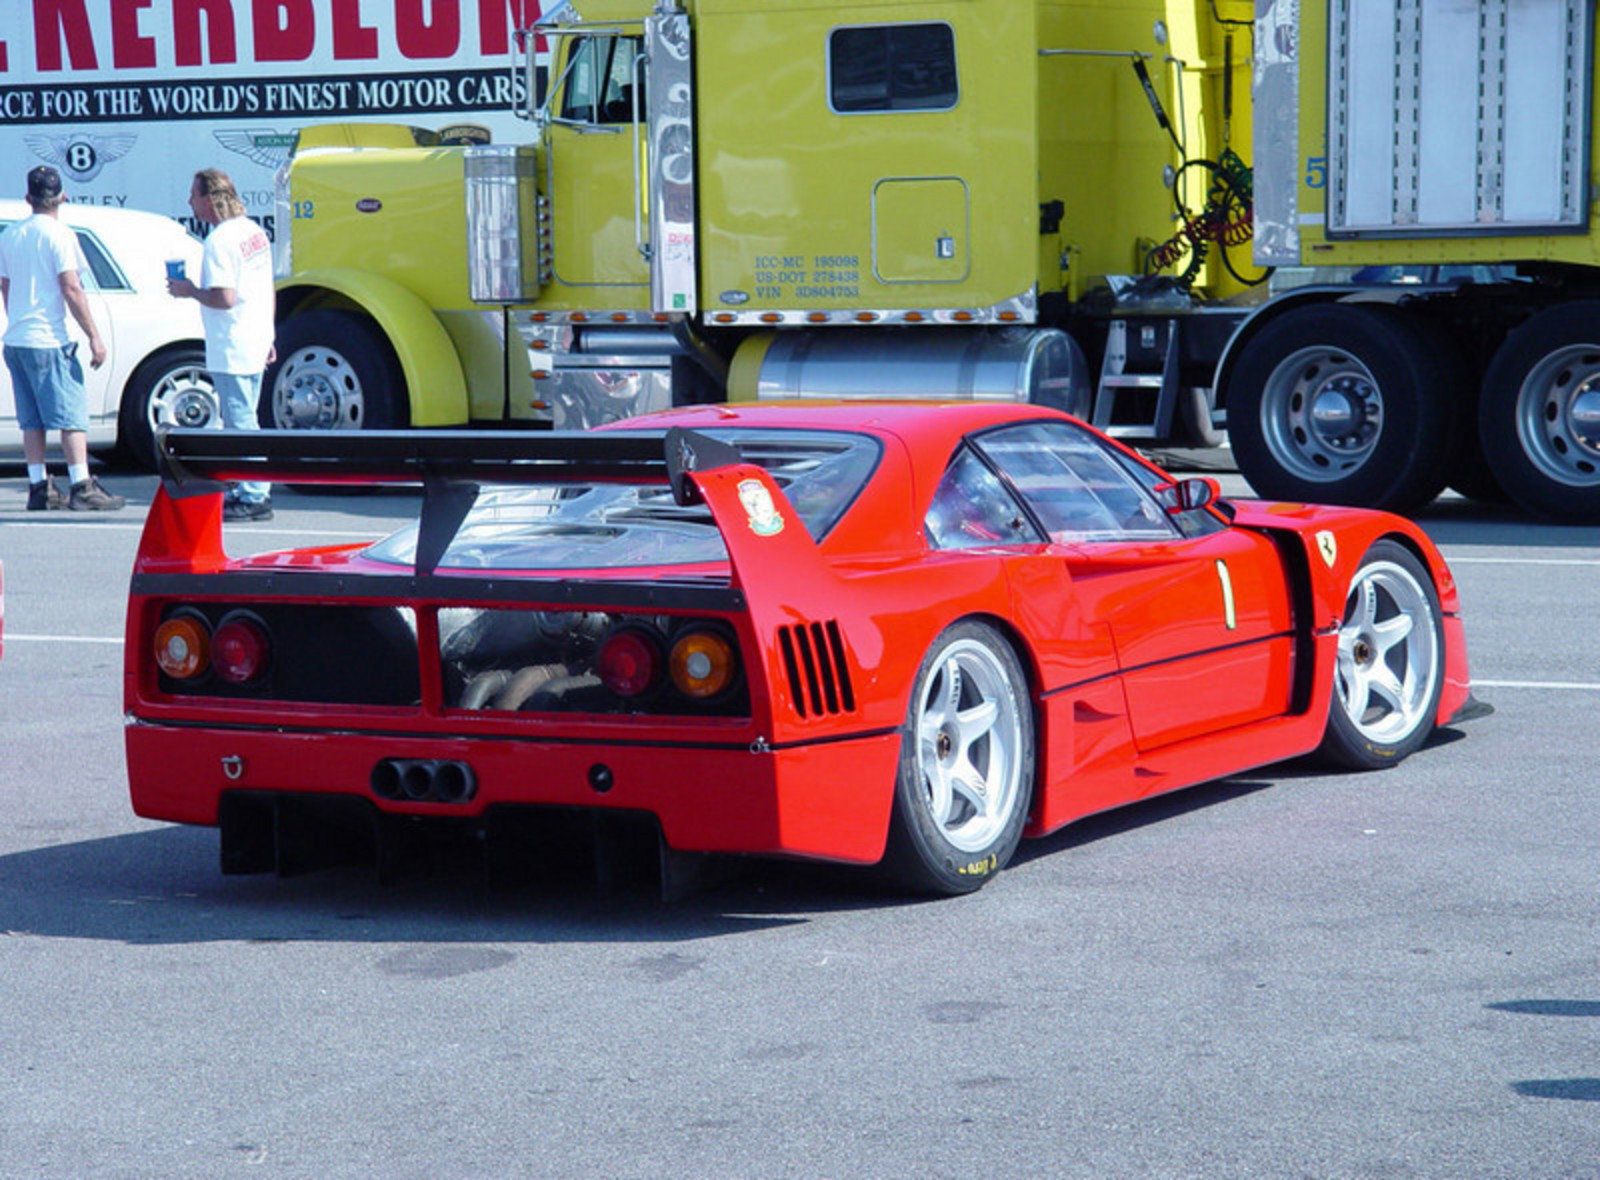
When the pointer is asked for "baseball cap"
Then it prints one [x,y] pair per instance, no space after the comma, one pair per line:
[44,182]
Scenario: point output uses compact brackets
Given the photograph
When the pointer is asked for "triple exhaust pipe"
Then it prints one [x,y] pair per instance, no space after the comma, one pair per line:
[423,780]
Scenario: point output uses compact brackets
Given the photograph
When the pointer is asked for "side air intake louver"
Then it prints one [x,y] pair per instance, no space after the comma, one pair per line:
[819,677]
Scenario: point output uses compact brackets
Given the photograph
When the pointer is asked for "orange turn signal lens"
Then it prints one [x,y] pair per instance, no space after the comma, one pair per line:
[702,664]
[183,647]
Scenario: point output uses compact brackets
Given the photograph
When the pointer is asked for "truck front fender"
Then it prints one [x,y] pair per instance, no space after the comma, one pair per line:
[435,383]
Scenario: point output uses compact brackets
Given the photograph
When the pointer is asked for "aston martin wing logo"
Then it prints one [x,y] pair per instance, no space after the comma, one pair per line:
[80,155]
[1328,546]
[270,149]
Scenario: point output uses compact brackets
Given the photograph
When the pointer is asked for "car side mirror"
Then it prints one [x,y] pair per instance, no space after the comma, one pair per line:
[1185,495]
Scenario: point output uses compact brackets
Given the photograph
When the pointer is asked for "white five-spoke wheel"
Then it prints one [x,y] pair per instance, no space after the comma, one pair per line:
[1389,674]
[966,765]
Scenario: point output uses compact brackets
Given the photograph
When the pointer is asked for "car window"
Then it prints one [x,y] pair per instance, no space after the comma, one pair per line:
[971,507]
[103,273]
[596,525]
[1074,484]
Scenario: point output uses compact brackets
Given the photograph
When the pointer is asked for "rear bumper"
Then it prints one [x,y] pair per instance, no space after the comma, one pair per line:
[828,800]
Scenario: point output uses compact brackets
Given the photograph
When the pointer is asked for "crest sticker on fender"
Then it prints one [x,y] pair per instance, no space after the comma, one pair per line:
[1328,546]
[765,520]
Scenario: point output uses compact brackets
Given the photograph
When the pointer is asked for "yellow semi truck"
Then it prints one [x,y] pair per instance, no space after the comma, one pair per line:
[1046,200]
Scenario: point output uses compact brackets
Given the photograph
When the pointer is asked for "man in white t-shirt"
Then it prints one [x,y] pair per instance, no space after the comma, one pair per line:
[39,285]
[237,306]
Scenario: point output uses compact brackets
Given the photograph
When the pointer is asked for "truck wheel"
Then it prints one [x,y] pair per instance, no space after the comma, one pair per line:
[335,371]
[966,765]
[1539,413]
[171,388]
[1342,404]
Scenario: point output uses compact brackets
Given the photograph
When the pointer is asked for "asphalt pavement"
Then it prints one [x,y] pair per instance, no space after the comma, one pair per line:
[1288,973]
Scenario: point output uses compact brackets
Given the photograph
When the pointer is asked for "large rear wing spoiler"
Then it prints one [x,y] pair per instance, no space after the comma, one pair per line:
[197,462]
[757,522]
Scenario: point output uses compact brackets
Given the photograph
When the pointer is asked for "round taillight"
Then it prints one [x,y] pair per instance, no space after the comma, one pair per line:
[702,664]
[239,649]
[629,662]
[183,647]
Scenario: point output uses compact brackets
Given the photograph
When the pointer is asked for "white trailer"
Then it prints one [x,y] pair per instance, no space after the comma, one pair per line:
[128,98]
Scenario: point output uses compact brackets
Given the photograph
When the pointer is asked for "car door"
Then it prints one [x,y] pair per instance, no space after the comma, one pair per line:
[1198,612]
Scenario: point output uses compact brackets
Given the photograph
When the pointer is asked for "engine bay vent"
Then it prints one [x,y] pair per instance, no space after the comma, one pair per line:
[819,675]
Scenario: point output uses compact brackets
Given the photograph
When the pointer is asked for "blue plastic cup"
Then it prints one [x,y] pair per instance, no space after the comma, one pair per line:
[175,268]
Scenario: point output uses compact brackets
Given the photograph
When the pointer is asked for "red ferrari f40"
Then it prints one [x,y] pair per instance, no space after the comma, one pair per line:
[903,635]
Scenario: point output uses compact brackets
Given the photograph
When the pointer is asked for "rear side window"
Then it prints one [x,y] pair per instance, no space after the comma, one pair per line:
[106,275]
[972,509]
[892,68]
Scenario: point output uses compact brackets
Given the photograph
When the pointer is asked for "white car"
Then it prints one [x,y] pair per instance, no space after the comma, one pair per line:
[155,347]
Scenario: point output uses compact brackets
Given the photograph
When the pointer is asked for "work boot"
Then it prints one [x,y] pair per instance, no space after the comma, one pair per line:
[239,508]
[88,496]
[43,495]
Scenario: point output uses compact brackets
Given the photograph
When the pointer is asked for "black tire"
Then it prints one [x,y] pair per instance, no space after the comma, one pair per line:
[1389,445]
[1387,678]
[940,841]
[1539,413]
[335,370]
[171,388]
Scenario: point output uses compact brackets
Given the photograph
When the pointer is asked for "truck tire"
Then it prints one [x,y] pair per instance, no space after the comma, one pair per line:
[1539,413]
[335,371]
[1343,404]
[171,388]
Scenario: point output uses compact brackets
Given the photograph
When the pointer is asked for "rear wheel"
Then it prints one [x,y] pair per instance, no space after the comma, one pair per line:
[1539,413]
[1342,404]
[335,371]
[966,764]
[1390,667]
[172,388]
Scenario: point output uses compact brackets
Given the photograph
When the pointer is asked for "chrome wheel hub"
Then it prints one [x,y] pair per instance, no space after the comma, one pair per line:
[1558,415]
[1321,413]
[969,746]
[185,398]
[317,389]
[1388,654]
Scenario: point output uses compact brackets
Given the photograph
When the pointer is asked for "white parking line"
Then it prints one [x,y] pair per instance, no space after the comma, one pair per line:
[1520,560]
[12,637]
[1577,685]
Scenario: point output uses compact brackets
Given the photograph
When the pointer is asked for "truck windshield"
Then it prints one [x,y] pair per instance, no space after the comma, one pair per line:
[563,526]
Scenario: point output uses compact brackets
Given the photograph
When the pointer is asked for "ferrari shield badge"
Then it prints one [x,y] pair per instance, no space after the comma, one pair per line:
[765,520]
[1328,546]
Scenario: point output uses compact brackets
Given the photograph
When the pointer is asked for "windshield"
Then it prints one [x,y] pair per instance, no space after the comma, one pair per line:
[558,526]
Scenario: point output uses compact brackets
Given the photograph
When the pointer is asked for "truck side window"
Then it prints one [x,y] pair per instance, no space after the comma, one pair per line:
[599,88]
[892,68]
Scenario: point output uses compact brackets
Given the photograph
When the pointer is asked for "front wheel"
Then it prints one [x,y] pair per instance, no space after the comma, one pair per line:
[335,371]
[172,388]
[966,764]
[1389,670]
